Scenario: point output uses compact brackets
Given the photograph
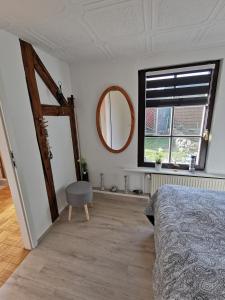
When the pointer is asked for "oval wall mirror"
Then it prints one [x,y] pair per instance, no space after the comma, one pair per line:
[115,119]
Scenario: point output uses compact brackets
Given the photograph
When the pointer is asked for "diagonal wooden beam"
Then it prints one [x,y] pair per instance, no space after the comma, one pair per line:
[47,79]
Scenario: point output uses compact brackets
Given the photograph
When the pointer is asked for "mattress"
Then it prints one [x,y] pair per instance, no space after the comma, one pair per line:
[189,243]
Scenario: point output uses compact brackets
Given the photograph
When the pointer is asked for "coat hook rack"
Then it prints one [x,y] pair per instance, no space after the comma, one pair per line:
[59,93]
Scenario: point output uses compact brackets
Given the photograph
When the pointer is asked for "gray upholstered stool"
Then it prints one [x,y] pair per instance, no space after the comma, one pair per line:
[79,194]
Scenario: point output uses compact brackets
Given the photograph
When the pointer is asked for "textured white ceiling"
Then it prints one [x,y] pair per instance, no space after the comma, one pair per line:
[84,30]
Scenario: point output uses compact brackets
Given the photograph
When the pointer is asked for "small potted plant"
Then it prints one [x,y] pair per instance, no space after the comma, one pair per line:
[158,159]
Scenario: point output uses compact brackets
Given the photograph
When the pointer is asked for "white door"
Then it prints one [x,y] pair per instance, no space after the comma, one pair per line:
[13,181]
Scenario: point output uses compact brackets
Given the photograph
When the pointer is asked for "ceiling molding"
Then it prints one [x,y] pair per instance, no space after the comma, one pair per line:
[86,30]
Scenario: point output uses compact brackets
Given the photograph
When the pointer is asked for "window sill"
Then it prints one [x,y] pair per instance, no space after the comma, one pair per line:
[174,172]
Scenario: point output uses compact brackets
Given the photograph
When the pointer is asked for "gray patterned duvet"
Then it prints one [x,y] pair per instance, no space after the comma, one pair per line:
[190,244]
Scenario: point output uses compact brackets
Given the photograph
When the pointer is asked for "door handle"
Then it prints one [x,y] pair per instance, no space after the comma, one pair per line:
[206,135]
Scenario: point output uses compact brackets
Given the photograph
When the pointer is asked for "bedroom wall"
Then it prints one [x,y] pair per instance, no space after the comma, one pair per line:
[89,81]
[19,121]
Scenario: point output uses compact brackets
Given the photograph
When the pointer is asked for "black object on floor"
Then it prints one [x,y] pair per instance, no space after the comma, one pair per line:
[151,219]
[138,192]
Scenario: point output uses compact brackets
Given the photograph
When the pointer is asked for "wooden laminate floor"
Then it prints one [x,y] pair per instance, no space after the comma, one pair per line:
[12,252]
[108,258]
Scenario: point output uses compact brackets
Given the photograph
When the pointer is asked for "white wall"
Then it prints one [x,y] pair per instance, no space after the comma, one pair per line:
[63,167]
[19,121]
[89,81]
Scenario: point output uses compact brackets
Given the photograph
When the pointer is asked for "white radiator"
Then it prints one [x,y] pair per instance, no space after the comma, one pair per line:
[158,180]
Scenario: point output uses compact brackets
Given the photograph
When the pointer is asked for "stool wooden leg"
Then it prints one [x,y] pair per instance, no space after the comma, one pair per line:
[70,212]
[86,212]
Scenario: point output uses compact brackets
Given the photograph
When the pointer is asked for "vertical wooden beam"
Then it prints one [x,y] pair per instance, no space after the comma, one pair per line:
[28,61]
[74,134]
[2,168]
[33,63]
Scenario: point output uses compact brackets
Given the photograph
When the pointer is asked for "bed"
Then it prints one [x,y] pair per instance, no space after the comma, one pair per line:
[189,243]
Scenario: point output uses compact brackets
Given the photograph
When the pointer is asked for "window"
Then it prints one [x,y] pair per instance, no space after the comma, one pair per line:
[175,113]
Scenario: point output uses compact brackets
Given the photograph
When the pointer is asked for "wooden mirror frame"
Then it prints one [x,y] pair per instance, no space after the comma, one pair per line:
[132,115]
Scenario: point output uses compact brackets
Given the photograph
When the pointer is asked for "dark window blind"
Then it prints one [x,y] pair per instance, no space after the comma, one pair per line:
[179,88]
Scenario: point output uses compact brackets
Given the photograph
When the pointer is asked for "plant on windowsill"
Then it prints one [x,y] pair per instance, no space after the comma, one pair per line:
[158,159]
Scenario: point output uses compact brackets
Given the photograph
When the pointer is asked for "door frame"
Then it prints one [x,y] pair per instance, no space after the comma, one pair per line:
[14,185]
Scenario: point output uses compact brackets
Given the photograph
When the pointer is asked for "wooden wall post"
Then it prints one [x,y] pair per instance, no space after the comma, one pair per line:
[33,63]
[74,133]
